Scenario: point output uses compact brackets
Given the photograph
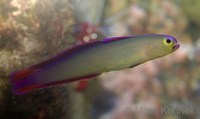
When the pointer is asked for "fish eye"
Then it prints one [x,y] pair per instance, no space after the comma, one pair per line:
[168,41]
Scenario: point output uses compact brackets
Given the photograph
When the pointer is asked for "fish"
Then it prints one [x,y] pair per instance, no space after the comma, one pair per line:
[92,59]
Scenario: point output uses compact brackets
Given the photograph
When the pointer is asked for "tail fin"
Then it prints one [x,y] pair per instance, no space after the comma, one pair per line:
[23,81]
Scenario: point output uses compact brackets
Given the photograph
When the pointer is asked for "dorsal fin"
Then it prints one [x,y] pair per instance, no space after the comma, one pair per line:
[71,50]
[107,40]
[66,53]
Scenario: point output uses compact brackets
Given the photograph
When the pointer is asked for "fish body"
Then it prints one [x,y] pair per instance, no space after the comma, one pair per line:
[92,59]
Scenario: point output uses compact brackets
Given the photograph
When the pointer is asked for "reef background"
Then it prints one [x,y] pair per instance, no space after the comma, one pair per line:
[30,32]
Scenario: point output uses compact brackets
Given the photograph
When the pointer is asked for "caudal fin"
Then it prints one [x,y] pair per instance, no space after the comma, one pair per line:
[23,81]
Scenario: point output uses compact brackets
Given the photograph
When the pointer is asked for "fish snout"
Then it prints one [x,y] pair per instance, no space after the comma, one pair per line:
[176,46]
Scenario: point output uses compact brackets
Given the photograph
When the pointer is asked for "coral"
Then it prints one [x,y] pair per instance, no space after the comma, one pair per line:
[30,32]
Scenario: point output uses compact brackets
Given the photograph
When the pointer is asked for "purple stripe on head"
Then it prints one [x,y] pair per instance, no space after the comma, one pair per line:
[171,38]
[166,36]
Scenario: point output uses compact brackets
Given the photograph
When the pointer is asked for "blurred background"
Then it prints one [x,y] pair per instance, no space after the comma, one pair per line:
[32,31]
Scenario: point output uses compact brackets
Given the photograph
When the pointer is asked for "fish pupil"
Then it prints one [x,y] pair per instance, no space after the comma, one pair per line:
[168,41]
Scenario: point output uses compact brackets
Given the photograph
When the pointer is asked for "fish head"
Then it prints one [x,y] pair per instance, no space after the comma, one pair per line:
[170,44]
[163,45]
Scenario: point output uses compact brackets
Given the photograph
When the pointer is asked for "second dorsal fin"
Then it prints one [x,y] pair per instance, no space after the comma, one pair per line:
[66,53]
[107,40]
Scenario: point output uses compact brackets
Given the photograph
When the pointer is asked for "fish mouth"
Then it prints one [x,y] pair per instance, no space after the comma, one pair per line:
[176,47]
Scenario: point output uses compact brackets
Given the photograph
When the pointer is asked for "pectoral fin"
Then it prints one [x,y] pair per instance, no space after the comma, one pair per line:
[134,65]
